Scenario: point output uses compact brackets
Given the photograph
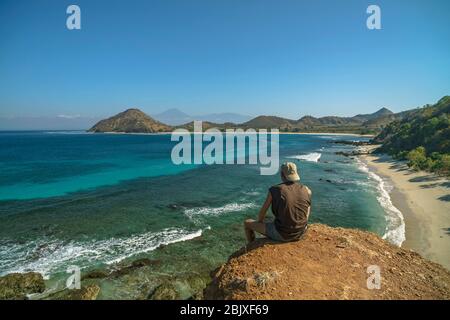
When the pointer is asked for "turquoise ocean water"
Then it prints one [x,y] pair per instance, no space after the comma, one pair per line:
[98,200]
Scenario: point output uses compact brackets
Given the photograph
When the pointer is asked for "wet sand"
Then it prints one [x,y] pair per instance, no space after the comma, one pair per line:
[424,200]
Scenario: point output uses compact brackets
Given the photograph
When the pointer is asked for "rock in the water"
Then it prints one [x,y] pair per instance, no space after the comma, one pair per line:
[89,292]
[18,285]
[140,263]
[352,143]
[95,274]
[165,291]
[145,262]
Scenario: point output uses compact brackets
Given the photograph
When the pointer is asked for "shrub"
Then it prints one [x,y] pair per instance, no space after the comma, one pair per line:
[417,159]
[442,165]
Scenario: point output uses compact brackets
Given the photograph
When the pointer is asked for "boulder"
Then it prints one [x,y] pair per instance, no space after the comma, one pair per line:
[16,286]
[89,292]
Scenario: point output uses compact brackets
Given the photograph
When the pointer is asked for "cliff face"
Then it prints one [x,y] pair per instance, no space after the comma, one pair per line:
[130,121]
[328,263]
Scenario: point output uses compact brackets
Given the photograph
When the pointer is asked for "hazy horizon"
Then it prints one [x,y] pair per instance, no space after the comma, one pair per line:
[79,122]
[287,59]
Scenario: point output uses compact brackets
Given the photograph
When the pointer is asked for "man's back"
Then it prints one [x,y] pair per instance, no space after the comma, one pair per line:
[290,205]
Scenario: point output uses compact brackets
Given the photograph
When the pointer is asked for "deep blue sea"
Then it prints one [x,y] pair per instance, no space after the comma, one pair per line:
[96,200]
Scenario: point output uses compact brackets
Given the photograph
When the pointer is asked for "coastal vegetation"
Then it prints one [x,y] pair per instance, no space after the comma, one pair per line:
[422,138]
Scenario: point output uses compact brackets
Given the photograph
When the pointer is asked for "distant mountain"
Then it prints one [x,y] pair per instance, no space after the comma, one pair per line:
[224,118]
[362,123]
[173,117]
[134,120]
[176,117]
[308,121]
[268,122]
[207,125]
[130,121]
[383,112]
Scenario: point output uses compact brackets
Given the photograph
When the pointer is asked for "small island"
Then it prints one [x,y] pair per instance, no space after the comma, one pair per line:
[130,121]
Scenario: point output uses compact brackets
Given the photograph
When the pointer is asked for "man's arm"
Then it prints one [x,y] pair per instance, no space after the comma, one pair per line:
[264,208]
[309,191]
[309,209]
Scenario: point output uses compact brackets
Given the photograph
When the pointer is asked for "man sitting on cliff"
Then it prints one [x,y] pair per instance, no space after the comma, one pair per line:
[291,205]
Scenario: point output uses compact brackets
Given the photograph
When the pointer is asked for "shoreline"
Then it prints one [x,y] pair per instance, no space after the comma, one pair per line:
[422,199]
[279,133]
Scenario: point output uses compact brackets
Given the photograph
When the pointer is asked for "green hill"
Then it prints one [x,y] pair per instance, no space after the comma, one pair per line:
[134,120]
[268,122]
[422,137]
[362,123]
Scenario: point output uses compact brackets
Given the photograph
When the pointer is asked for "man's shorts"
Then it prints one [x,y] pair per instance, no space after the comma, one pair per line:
[272,232]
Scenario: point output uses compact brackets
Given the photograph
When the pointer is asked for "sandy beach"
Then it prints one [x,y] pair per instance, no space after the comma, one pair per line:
[424,200]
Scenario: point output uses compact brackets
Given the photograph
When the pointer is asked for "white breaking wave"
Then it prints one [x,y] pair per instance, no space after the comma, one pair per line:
[251,193]
[228,208]
[46,256]
[312,157]
[395,227]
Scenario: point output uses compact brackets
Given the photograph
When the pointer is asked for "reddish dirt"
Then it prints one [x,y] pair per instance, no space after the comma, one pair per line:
[328,263]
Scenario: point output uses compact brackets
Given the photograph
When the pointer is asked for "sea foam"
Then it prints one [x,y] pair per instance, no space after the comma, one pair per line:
[311,157]
[395,227]
[47,256]
[215,211]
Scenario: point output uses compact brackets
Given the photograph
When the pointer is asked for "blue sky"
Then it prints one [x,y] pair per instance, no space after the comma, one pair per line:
[282,57]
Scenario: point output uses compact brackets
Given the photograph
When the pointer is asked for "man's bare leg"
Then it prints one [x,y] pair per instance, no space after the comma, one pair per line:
[249,233]
[250,226]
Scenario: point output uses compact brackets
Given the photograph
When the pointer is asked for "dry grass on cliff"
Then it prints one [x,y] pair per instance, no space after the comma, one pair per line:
[328,263]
